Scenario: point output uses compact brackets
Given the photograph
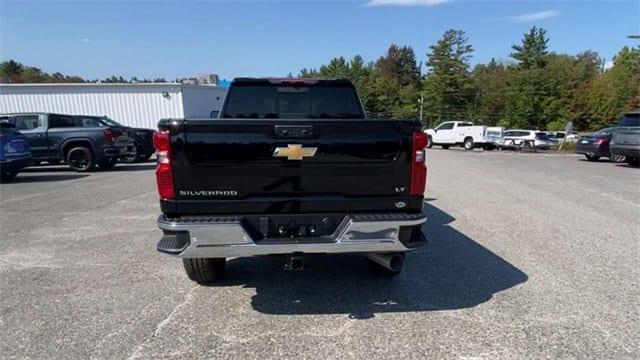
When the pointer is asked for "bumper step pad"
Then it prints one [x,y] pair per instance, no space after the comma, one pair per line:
[173,243]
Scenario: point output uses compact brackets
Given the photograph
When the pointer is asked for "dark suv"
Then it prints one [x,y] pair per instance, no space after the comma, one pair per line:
[55,138]
[625,139]
[14,150]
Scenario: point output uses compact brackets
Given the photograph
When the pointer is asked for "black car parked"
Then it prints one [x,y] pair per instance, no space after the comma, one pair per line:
[595,146]
[55,138]
[625,140]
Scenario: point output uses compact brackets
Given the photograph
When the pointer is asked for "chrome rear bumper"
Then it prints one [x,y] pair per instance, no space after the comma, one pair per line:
[226,237]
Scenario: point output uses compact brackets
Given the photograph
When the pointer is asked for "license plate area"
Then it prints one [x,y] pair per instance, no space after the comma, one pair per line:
[295,227]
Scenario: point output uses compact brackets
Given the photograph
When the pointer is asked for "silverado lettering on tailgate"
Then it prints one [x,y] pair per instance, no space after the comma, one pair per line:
[208,193]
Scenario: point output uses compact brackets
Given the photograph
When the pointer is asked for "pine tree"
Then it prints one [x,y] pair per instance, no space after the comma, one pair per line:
[448,87]
[533,50]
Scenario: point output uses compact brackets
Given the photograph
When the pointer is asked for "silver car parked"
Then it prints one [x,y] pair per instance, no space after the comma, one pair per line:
[516,138]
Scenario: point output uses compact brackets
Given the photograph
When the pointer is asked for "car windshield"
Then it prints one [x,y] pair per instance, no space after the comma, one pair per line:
[630,120]
[606,131]
[266,100]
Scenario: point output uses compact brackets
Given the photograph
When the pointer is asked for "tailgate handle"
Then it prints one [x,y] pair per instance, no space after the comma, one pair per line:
[294,131]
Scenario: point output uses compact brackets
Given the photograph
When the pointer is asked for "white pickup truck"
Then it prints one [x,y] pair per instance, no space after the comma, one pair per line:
[456,133]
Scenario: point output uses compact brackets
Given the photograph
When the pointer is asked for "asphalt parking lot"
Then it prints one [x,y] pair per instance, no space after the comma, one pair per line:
[530,256]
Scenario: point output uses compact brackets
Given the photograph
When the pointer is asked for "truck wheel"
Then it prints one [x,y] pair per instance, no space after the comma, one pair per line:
[80,159]
[7,175]
[445,147]
[379,270]
[468,143]
[617,158]
[429,142]
[633,161]
[204,271]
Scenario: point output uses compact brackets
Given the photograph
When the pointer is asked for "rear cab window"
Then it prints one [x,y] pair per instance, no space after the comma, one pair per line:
[62,121]
[267,99]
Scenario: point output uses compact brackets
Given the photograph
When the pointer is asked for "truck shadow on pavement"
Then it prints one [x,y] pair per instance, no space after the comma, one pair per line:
[22,178]
[451,272]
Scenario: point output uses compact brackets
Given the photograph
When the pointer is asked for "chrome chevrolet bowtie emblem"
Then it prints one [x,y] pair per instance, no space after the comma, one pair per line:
[294,152]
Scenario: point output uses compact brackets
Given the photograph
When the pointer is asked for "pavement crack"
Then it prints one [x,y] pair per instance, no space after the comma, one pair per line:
[138,352]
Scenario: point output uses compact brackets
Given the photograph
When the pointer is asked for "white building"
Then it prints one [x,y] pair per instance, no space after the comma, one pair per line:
[137,105]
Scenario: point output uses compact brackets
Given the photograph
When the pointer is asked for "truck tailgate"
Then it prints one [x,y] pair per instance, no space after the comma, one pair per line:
[288,166]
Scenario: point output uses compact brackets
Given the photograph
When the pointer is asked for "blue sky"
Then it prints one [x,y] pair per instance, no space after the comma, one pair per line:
[95,39]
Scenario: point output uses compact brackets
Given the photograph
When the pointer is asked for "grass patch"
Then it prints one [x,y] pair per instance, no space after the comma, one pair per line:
[569,146]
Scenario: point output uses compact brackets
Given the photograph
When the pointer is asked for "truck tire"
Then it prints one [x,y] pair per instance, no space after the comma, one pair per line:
[445,147]
[617,158]
[468,144]
[7,175]
[204,271]
[429,142]
[81,159]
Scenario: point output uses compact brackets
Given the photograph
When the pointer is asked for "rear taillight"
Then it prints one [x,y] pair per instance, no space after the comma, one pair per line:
[109,136]
[164,170]
[418,166]
[601,141]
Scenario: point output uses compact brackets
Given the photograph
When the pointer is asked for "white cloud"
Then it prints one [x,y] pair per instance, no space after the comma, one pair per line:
[377,3]
[528,17]
[85,40]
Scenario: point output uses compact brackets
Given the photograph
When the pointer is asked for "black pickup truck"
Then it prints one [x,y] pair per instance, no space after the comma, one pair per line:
[79,141]
[293,167]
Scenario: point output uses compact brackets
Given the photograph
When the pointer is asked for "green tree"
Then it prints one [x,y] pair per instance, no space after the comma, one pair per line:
[10,70]
[448,87]
[337,67]
[490,82]
[613,93]
[399,64]
[533,50]
[34,75]
[308,73]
